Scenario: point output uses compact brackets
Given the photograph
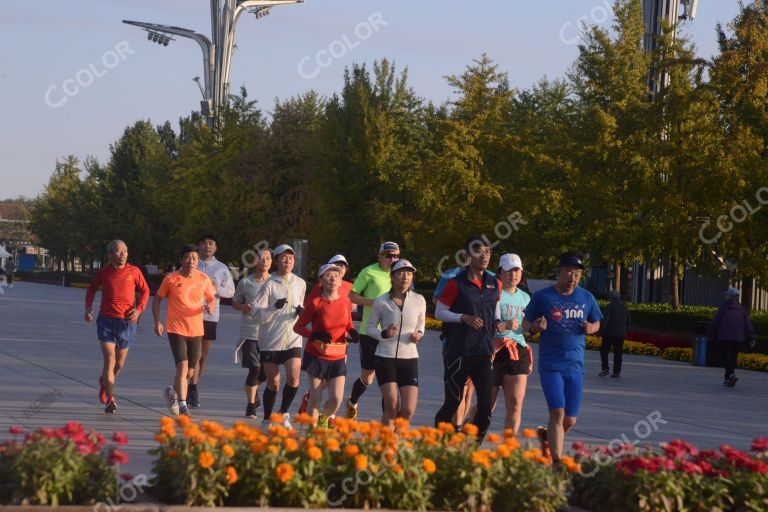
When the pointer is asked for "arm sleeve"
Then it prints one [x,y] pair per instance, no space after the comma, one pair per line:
[497,313]
[440,286]
[227,284]
[450,292]
[748,329]
[533,309]
[313,292]
[92,287]
[715,322]
[300,327]
[143,287]
[374,320]
[444,314]
[162,292]
[350,323]
[210,293]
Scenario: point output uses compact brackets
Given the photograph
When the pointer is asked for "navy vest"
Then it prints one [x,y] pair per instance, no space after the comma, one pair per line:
[463,340]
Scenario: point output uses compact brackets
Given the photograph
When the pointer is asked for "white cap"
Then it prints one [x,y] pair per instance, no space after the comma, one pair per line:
[339,258]
[280,249]
[509,261]
[732,292]
[403,264]
[325,268]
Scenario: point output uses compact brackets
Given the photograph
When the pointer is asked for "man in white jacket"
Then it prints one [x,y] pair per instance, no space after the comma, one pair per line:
[222,281]
[278,306]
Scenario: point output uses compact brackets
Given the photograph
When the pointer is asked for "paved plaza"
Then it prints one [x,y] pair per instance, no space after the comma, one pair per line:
[50,362]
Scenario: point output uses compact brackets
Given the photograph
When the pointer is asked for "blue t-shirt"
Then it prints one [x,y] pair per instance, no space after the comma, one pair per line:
[561,346]
[513,305]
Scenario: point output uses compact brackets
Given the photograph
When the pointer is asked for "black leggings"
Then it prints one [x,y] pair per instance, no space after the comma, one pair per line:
[186,348]
[480,370]
[617,342]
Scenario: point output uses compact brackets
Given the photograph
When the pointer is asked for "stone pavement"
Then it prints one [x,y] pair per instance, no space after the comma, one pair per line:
[50,361]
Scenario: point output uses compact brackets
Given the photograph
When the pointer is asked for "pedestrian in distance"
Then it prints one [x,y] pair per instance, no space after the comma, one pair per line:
[730,327]
[613,330]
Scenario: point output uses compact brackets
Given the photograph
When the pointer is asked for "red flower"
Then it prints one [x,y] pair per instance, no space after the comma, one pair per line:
[85,448]
[73,427]
[127,477]
[118,457]
[120,438]
[48,432]
[15,429]
[760,444]
[100,439]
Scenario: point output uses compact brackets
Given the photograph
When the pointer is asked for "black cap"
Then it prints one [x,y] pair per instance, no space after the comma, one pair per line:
[570,259]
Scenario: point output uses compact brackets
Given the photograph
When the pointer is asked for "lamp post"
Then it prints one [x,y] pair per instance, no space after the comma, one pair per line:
[657,13]
[217,50]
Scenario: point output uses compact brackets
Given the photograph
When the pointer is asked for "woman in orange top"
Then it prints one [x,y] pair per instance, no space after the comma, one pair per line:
[185,290]
[330,315]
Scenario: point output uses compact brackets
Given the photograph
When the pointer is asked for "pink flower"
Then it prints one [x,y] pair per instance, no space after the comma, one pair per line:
[15,429]
[760,444]
[120,438]
[118,457]
[85,449]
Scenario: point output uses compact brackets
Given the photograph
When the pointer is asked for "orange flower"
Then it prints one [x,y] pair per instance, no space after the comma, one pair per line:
[397,468]
[228,450]
[509,432]
[171,453]
[206,460]
[284,472]
[446,428]
[276,417]
[542,460]
[470,429]
[504,450]
[481,458]
[390,456]
[168,430]
[428,465]
[303,419]
[314,453]
[401,423]
[272,449]
[332,444]
[351,450]
[529,433]
[166,421]
[291,445]
[257,447]
[161,438]
[429,441]
[361,462]
[183,420]
[493,438]
[231,475]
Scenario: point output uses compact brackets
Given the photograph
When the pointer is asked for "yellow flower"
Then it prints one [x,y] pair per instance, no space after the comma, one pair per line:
[231,475]
[314,453]
[361,462]
[206,460]
[351,450]
[429,465]
[284,472]
[529,433]
[228,450]
[470,429]
[493,438]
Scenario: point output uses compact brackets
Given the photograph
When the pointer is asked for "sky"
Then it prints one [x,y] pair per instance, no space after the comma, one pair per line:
[73,76]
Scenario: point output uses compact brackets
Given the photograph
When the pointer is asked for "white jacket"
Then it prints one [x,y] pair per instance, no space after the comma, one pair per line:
[385,312]
[221,277]
[276,330]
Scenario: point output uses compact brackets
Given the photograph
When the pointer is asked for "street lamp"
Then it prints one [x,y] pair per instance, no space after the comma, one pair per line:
[657,13]
[217,51]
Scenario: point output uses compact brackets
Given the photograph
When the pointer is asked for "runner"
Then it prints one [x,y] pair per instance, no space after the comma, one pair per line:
[370,283]
[189,293]
[330,316]
[278,305]
[513,360]
[245,296]
[563,313]
[340,261]
[222,281]
[469,307]
[403,313]
[118,315]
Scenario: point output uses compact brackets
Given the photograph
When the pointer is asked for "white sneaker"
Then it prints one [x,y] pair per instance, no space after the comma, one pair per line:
[287,421]
[172,400]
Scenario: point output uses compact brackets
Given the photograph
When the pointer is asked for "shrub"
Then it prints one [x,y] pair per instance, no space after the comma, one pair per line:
[678,354]
[62,466]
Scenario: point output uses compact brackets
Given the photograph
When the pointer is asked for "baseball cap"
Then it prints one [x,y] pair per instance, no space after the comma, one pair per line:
[339,258]
[403,264]
[732,292]
[570,259]
[389,247]
[280,249]
[509,261]
[325,268]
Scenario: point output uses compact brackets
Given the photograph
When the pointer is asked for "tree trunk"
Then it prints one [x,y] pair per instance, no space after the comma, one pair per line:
[747,287]
[674,276]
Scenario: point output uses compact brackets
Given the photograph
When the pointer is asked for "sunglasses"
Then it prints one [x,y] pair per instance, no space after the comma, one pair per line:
[391,256]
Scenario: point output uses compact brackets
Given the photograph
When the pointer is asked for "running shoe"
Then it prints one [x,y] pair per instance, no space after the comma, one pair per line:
[287,421]
[102,392]
[732,380]
[183,410]
[616,376]
[351,411]
[331,419]
[111,407]
[250,411]
[171,400]
[193,400]
[603,373]
[541,433]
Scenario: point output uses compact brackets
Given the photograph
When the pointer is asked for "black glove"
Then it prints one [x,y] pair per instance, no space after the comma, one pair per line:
[354,336]
[280,304]
[299,310]
[322,336]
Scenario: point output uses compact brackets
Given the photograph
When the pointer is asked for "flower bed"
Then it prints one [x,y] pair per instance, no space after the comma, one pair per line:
[61,466]
[678,478]
[354,464]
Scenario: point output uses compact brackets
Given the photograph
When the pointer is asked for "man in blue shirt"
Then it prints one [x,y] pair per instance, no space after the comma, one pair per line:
[563,313]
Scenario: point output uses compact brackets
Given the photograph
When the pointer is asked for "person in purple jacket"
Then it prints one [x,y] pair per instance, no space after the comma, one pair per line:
[730,327]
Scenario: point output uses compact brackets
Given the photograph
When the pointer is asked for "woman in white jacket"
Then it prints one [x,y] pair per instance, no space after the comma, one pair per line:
[277,306]
[397,319]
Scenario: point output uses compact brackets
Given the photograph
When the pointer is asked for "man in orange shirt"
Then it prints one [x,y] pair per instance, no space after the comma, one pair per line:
[118,315]
[185,290]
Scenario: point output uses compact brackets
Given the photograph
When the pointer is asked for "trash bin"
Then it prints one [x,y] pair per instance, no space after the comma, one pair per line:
[700,344]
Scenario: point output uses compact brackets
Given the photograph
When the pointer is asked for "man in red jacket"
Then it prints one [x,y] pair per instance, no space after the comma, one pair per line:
[118,315]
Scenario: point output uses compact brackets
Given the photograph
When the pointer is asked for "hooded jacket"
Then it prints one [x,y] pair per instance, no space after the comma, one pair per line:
[731,323]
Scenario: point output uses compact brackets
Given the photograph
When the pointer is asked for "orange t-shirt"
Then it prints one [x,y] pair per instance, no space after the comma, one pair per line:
[185,301]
